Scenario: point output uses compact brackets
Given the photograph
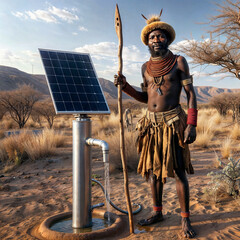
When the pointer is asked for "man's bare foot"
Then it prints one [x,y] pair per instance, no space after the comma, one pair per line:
[156,217]
[188,231]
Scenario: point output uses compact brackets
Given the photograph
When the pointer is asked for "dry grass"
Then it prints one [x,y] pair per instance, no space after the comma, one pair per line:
[61,122]
[226,148]
[208,120]
[17,148]
[31,124]
[108,122]
[8,123]
[114,149]
[2,133]
[14,147]
[44,144]
[203,139]
[235,132]
[208,126]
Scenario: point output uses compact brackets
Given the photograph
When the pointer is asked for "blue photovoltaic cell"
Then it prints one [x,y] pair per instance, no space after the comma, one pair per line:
[73,83]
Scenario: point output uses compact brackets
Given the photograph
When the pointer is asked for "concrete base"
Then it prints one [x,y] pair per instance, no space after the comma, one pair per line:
[45,232]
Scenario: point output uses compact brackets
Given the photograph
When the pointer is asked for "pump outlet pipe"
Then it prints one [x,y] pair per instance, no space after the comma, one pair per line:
[102,144]
[105,149]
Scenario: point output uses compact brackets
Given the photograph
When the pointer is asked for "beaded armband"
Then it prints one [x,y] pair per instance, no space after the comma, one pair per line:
[187,81]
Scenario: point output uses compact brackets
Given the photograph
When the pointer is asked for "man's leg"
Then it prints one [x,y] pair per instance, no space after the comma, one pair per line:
[183,194]
[157,191]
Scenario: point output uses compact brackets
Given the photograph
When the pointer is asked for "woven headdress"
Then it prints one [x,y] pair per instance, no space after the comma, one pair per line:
[154,23]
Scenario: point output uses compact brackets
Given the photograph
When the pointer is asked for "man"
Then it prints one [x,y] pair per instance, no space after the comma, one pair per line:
[165,131]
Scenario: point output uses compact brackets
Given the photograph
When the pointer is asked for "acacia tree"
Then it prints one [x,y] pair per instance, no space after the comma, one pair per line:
[46,110]
[233,100]
[19,103]
[222,49]
[219,102]
[227,101]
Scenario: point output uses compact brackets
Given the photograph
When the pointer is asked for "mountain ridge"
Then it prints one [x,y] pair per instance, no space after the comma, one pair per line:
[11,78]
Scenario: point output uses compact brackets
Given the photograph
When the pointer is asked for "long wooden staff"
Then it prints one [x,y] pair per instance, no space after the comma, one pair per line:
[118,27]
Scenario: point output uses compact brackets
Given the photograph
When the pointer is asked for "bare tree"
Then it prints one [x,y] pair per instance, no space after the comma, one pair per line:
[233,100]
[46,110]
[19,103]
[219,102]
[222,49]
[227,101]
[227,22]
[36,117]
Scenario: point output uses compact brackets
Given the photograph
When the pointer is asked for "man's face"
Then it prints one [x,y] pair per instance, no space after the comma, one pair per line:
[157,43]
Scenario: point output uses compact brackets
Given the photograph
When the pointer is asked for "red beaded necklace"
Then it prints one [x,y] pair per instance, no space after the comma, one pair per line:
[158,67]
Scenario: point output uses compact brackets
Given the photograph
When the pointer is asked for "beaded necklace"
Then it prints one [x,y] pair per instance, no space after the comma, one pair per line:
[158,67]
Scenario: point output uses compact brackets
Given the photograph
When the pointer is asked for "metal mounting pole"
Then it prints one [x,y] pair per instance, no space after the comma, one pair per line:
[81,213]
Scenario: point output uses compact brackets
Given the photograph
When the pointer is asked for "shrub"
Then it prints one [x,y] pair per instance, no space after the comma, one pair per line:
[44,144]
[17,148]
[226,180]
[14,147]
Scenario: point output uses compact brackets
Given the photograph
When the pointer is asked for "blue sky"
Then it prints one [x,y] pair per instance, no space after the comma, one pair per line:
[88,26]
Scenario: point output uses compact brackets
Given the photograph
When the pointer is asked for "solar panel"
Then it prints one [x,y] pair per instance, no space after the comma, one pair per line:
[73,83]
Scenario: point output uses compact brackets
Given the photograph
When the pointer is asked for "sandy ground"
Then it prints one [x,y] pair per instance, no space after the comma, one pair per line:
[37,190]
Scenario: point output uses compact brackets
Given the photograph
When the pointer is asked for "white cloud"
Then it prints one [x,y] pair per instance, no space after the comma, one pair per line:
[102,50]
[221,75]
[51,15]
[7,55]
[41,15]
[105,58]
[198,74]
[183,43]
[63,14]
[82,29]
[109,50]
[31,54]
[19,15]
[75,33]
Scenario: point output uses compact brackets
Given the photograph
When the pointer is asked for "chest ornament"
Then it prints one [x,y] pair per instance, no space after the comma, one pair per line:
[158,67]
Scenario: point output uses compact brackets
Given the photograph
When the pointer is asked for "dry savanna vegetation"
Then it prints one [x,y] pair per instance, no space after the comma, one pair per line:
[217,133]
[45,138]
[218,128]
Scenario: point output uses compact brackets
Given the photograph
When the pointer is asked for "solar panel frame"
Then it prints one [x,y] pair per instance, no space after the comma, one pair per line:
[86,91]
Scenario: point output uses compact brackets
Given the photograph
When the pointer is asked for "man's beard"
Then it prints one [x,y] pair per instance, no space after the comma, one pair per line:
[160,52]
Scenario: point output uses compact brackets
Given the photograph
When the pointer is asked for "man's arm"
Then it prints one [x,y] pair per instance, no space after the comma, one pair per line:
[128,89]
[190,132]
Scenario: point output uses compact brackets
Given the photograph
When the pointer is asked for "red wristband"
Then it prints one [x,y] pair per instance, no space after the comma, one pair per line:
[192,116]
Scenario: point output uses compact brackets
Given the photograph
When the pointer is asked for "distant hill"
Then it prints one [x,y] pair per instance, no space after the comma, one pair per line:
[11,78]
[203,94]
[110,91]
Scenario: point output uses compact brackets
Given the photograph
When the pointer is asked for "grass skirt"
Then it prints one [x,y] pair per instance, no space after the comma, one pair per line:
[157,146]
